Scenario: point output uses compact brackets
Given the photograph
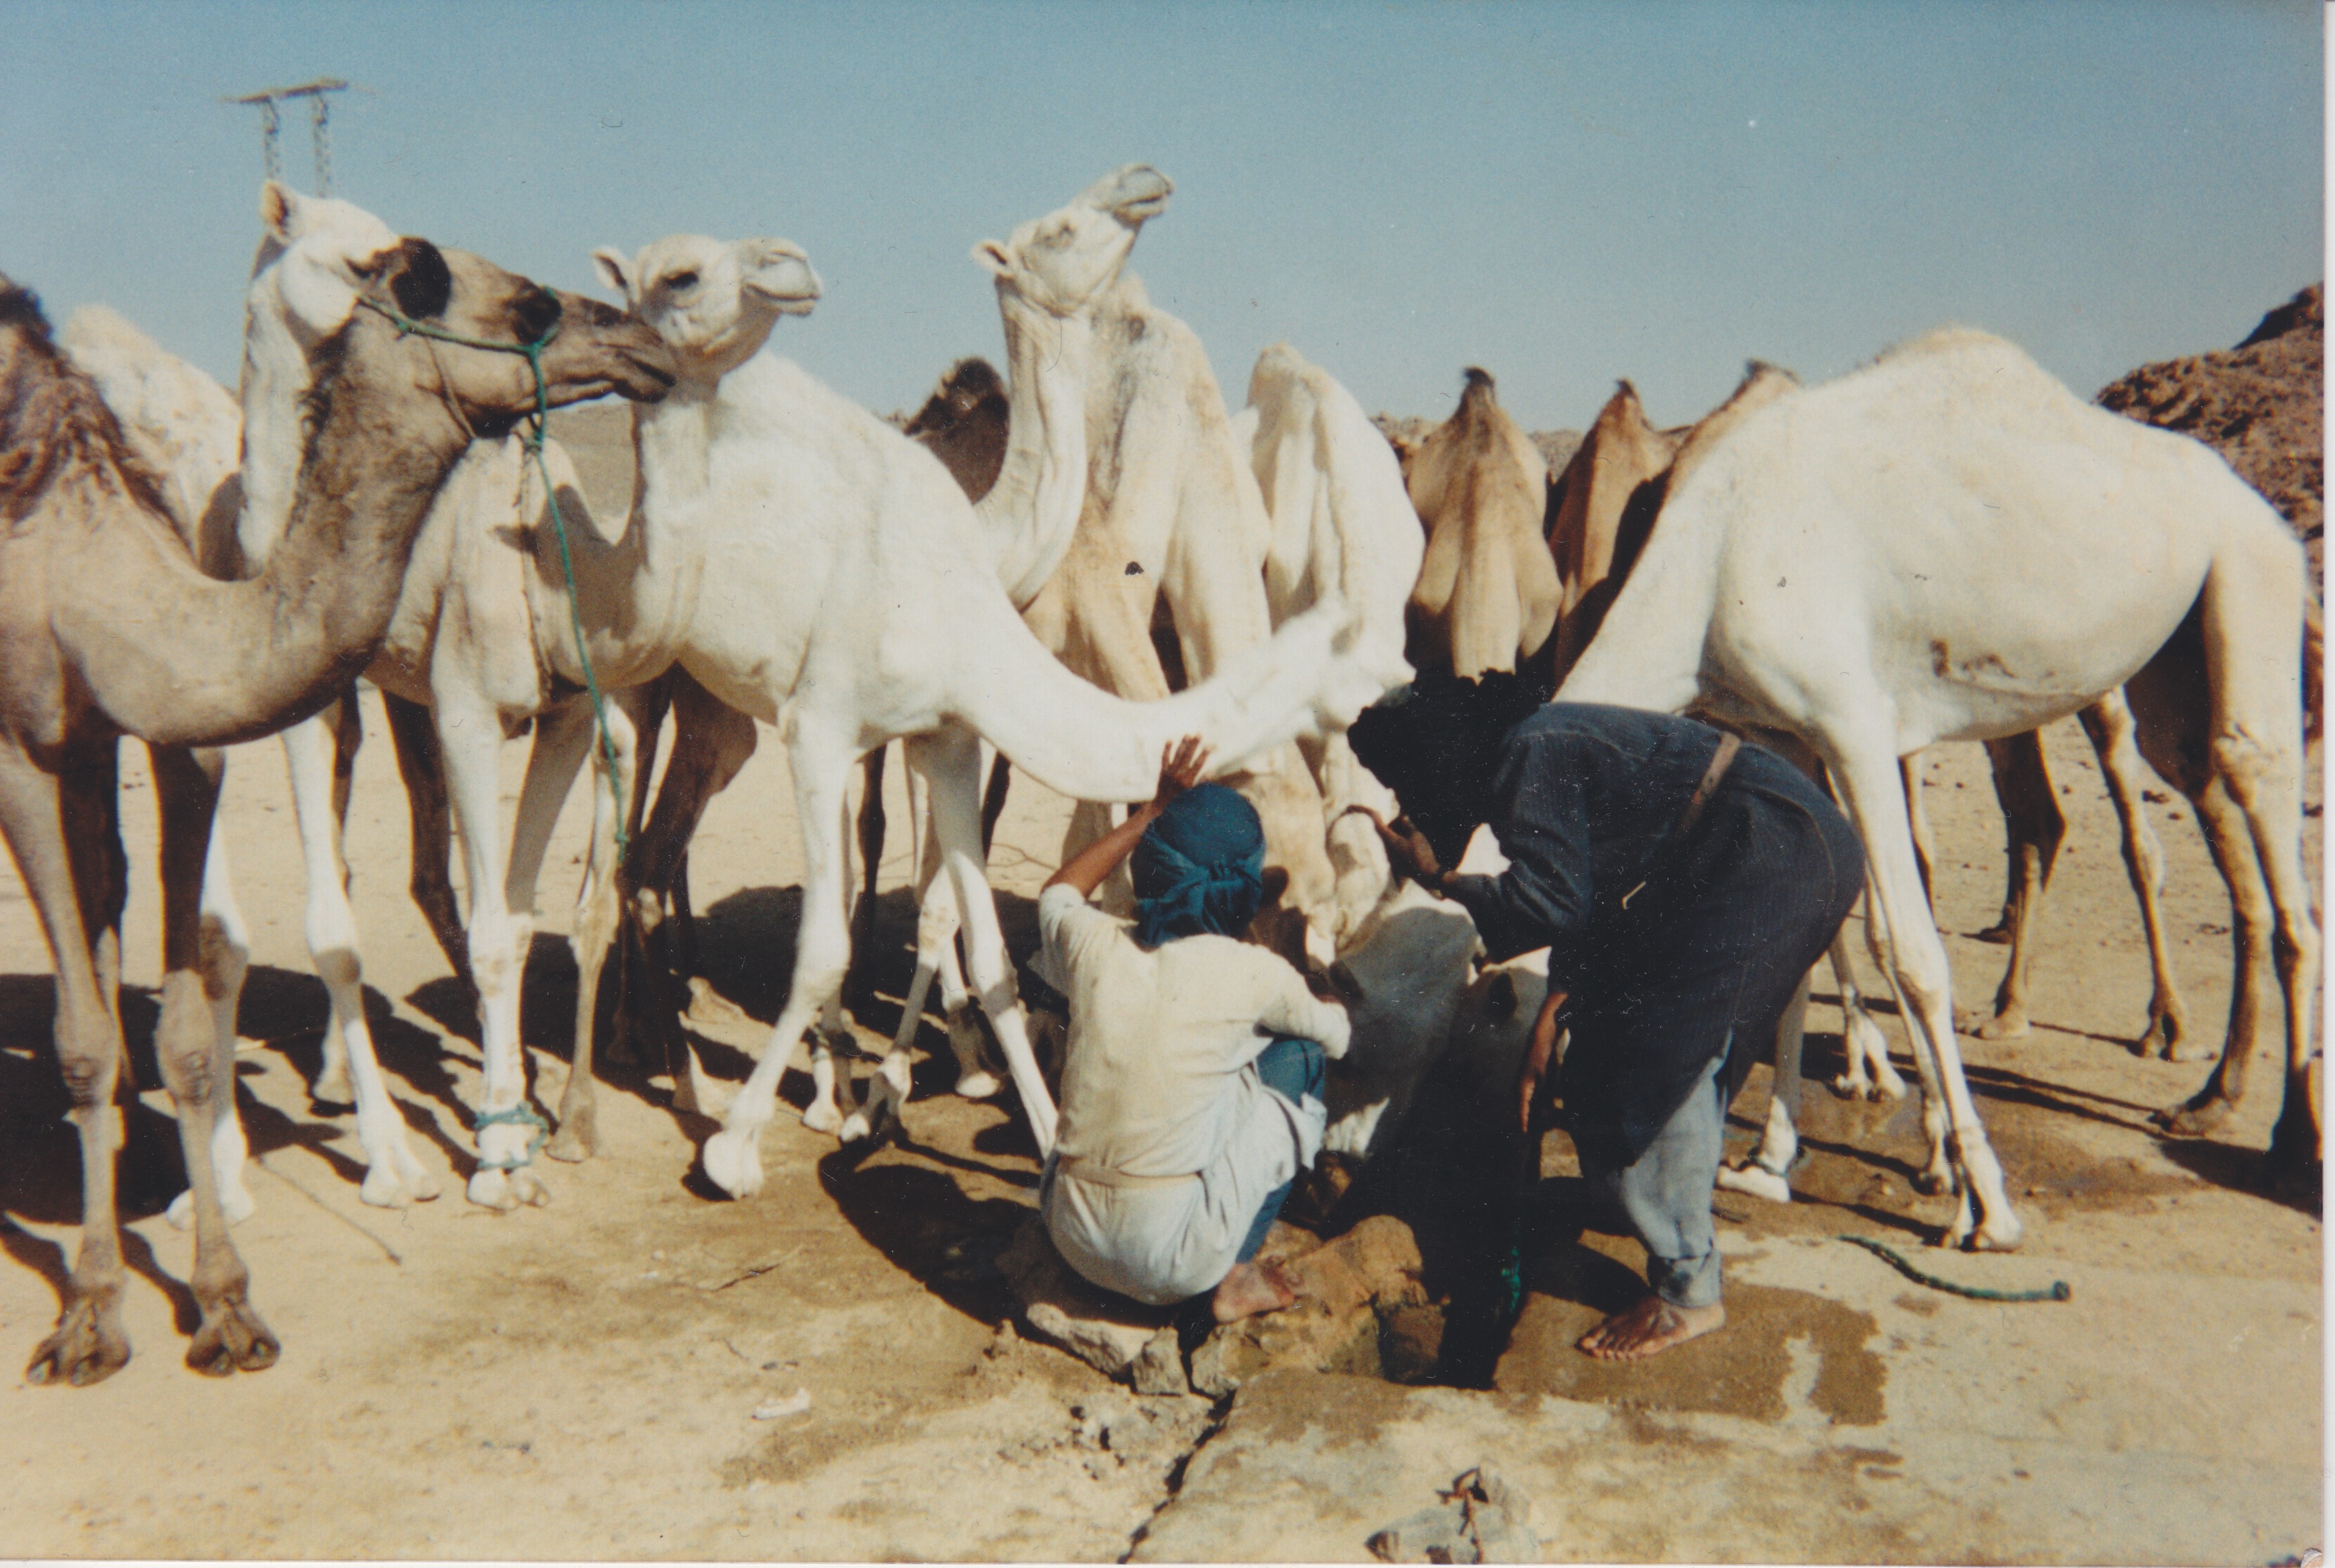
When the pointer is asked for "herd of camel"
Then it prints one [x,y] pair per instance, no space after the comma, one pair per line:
[1061,569]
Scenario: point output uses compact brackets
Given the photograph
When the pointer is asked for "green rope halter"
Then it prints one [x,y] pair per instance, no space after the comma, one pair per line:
[2057,1293]
[538,428]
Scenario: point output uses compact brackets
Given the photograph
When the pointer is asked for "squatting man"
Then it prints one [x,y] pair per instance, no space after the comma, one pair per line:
[1682,881]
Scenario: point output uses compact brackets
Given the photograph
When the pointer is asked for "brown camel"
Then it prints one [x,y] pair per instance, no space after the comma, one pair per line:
[111,630]
[1487,593]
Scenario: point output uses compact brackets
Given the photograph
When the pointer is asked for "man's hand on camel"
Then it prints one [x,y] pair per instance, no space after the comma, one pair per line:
[1409,854]
[1182,764]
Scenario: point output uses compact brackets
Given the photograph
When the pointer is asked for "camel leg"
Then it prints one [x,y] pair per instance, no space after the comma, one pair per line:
[1917,820]
[937,923]
[597,908]
[1767,1173]
[198,1067]
[2035,828]
[469,740]
[711,742]
[859,984]
[831,1095]
[821,764]
[224,957]
[2251,919]
[42,817]
[993,799]
[950,758]
[651,706]
[1870,1074]
[2109,725]
[351,1072]
[414,737]
[1914,959]
[2251,808]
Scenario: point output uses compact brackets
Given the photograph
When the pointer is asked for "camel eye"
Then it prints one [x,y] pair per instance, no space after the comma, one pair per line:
[366,271]
[679,281]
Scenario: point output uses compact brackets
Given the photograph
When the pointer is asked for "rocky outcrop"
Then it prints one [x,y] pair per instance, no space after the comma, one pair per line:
[2259,404]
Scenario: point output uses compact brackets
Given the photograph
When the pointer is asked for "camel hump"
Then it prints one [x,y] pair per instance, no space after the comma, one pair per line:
[1762,383]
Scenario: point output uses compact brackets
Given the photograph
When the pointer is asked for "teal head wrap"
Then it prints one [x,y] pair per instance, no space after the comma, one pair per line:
[1200,868]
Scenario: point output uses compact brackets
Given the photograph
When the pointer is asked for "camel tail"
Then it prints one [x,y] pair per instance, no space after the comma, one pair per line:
[1079,740]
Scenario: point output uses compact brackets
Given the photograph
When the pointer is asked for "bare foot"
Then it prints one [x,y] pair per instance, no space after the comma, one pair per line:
[1652,1325]
[1251,1289]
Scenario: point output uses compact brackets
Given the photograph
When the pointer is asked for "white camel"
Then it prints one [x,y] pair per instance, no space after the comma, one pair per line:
[1047,277]
[858,602]
[1880,563]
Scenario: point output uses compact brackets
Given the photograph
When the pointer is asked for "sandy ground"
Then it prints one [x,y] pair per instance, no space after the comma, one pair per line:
[581,1381]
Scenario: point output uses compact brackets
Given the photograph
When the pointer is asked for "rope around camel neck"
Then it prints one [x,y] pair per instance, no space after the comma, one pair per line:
[538,429]
[2057,1293]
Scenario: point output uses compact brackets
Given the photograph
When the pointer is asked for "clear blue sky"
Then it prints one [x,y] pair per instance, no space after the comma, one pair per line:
[1562,193]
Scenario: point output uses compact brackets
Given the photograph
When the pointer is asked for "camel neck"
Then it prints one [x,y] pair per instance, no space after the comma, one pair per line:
[276,377]
[1033,510]
[200,663]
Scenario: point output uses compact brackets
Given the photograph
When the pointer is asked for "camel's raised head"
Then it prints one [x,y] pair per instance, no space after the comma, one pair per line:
[1062,261]
[589,349]
[715,302]
[316,253]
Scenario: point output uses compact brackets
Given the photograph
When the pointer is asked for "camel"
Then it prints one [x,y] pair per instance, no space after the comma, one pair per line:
[1048,278]
[1609,498]
[1603,508]
[113,632]
[1174,520]
[1481,490]
[860,600]
[463,570]
[1816,571]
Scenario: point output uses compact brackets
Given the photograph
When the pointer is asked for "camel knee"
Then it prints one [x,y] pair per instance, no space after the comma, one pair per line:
[498,955]
[222,955]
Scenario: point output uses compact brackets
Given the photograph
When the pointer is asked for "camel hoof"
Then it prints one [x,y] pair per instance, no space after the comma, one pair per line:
[1756,1181]
[822,1117]
[2191,1118]
[978,1085]
[85,1349]
[2002,1026]
[1848,1088]
[2179,1048]
[1934,1184]
[1995,935]
[382,1188]
[491,1189]
[331,1086]
[733,1164]
[235,1204]
[233,1340]
[1995,1235]
[569,1145]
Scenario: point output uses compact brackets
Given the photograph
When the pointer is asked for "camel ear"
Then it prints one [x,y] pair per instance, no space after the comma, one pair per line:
[779,272]
[278,203]
[994,256]
[1501,997]
[613,269]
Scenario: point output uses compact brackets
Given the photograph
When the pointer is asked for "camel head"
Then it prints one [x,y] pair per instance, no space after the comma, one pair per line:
[593,349]
[1061,261]
[714,303]
[316,253]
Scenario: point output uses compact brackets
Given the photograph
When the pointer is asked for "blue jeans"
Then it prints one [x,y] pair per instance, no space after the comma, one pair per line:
[1293,1068]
